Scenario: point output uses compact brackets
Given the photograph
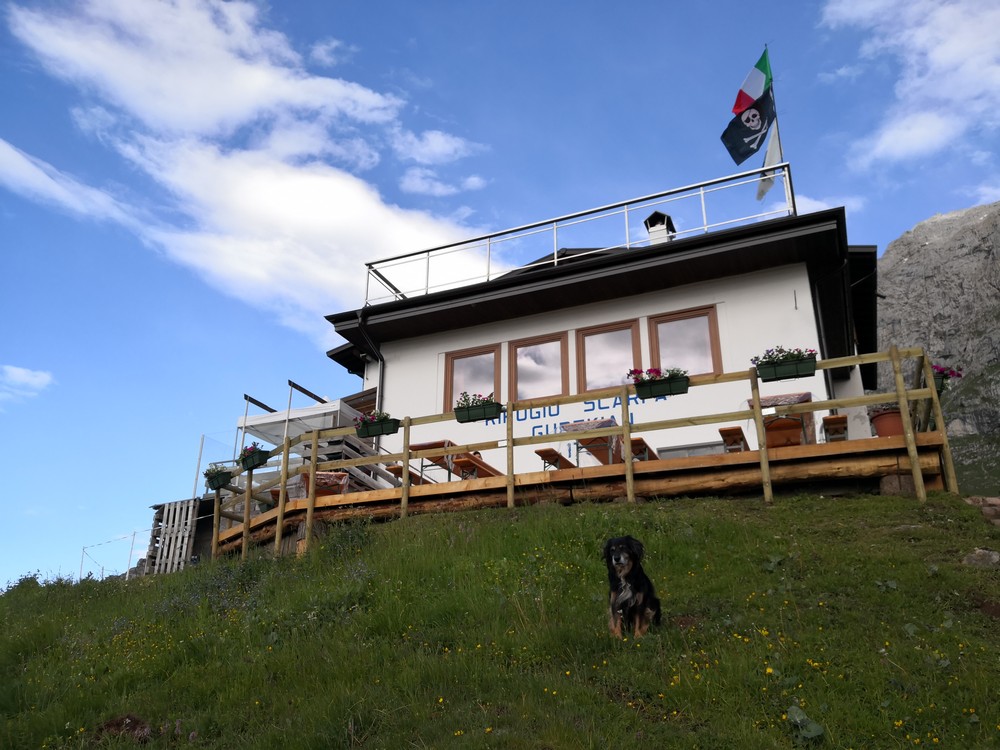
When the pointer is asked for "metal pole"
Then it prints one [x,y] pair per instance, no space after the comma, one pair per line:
[246,413]
[131,549]
[288,412]
[197,472]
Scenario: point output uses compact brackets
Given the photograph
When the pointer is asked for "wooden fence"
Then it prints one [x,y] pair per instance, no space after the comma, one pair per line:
[918,403]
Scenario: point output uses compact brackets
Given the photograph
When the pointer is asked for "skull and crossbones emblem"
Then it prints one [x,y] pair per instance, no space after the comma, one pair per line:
[751,118]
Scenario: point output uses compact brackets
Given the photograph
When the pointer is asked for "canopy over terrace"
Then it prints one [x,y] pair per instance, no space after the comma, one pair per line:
[275,426]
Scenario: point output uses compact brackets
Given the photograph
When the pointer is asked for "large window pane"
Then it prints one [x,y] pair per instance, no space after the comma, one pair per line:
[686,342]
[539,369]
[608,356]
[473,374]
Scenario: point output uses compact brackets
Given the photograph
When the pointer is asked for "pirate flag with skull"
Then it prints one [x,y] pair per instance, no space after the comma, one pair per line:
[747,131]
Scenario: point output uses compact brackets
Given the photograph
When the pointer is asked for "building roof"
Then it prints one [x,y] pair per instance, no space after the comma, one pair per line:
[842,278]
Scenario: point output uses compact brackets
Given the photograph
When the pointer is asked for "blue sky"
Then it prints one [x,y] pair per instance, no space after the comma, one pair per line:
[188,187]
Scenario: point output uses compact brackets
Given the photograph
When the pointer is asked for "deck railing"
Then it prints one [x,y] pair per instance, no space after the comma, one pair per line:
[694,209]
[918,403]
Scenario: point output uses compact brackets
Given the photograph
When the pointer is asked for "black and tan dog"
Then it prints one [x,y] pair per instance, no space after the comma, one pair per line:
[633,602]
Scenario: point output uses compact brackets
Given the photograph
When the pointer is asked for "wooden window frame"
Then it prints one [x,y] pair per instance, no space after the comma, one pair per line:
[562,339]
[449,371]
[581,349]
[706,311]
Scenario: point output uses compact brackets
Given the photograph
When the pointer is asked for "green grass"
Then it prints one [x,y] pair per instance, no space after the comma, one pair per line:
[842,623]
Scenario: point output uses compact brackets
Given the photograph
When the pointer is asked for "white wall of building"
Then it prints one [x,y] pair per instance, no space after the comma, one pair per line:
[755,311]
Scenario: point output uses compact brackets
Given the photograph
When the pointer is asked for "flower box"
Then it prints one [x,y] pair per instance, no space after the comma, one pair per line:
[218,481]
[254,459]
[790,368]
[478,412]
[380,427]
[664,387]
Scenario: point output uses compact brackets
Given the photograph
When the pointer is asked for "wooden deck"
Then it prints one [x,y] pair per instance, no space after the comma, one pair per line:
[920,458]
[851,462]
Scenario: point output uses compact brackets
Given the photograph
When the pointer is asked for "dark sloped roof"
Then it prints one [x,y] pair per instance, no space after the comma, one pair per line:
[817,239]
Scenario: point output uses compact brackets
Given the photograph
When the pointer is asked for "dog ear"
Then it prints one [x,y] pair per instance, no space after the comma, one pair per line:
[636,548]
[607,549]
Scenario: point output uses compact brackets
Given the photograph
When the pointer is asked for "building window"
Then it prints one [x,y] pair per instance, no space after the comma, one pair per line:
[606,353]
[688,339]
[472,371]
[538,367]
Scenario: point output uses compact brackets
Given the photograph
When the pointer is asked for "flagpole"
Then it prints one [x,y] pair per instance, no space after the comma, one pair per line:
[781,153]
[768,180]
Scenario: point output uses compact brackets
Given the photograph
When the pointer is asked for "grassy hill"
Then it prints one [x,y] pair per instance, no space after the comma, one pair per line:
[842,623]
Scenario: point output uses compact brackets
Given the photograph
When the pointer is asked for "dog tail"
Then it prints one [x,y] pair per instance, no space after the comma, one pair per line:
[656,611]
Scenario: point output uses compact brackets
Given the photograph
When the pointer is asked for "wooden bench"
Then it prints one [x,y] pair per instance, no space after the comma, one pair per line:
[782,431]
[553,459]
[641,449]
[469,466]
[835,427]
[327,483]
[442,461]
[415,477]
[733,439]
[607,449]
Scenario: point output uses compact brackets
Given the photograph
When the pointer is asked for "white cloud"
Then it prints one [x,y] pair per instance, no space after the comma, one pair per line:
[987,193]
[331,52]
[423,181]
[18,383]
[806,205]
[948,86]
[431,146]
[910,135]
[843,73]
[196,67]
[35,179]
[256,156]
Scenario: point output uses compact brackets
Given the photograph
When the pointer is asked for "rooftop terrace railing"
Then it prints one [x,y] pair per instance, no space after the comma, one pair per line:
[693,209]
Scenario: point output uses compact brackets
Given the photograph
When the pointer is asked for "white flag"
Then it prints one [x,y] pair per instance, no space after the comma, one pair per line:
[772,157]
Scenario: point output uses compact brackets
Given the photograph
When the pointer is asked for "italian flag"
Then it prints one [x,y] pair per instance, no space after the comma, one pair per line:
[757,82]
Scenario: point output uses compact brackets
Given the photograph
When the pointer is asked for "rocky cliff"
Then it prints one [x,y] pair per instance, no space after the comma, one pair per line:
[939,287]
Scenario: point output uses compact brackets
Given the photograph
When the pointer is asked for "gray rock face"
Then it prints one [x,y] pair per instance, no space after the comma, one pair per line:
[939,287]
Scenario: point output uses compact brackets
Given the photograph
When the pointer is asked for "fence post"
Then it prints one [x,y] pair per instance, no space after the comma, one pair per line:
[950,477]
[404,495]
[908,436]
[627,447]
[311,504]
[247,497]
[510,453]
[282,496]
[758,420]
[216,523]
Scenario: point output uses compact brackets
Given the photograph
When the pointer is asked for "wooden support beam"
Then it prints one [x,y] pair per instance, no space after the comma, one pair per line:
[627,446]
[311,508]
[246,516]
[282,492]
[404,495]
[950,477]
[216,523]
[904,411]
[509,421]
[758,420]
